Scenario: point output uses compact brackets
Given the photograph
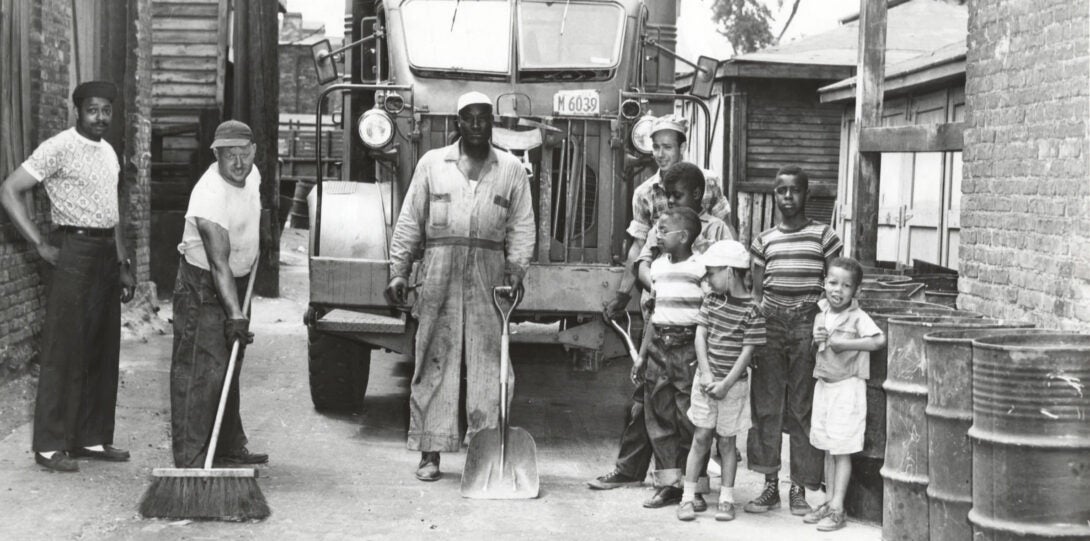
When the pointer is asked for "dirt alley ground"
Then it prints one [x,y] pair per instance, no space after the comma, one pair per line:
[350,477]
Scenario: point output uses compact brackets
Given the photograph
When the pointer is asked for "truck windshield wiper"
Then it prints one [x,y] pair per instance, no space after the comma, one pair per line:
[564,19]
[455,16]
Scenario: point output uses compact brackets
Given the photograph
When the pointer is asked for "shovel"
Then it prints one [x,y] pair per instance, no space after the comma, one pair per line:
[501,463]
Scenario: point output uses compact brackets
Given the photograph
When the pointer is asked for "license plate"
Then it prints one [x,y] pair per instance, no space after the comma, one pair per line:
[576,103]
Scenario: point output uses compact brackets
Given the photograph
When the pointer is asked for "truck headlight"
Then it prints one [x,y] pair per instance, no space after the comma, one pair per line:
[376,129]
[641,134]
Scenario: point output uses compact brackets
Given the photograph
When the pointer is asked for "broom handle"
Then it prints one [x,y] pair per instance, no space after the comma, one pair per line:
[230,375]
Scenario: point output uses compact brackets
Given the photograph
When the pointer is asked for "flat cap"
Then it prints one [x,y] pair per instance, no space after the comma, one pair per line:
[232,133]
[473,98]
[95,89]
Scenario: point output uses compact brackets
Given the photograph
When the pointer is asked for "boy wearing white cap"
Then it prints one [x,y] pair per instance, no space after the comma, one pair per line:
[729,328]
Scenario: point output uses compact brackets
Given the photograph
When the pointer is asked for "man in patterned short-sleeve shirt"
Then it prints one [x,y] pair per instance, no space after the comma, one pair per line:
[88,274]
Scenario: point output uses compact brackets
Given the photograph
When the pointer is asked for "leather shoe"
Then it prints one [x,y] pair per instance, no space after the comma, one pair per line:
[699,503]
[60,462]
[663,497]
[108,452]
[242,456]
[428,470]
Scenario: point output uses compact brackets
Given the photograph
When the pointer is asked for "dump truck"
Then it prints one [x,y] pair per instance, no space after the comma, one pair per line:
[575,87]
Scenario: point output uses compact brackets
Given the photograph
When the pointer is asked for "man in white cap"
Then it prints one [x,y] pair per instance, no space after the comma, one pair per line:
[469,207]
[87,277]
[219,246]
[668,144]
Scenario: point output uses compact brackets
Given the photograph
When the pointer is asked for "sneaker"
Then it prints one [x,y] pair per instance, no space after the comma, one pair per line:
[833,521]
[815,516]
[699,503]
[725,512]
[797,497]
[663,497]
[686,512]
[611,480]
[428,470]
[767,501]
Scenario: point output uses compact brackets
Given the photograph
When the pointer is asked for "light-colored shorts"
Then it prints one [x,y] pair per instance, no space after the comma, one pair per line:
[839,417]
[729,416]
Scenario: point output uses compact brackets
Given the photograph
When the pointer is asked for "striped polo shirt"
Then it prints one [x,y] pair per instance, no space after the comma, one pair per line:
[794,263]
[732,323]
[678,295]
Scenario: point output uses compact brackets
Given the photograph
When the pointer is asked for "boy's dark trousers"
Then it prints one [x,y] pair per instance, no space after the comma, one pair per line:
[782,396]
[668,380]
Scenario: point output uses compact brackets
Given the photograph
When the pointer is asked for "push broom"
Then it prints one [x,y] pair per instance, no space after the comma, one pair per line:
[209,493]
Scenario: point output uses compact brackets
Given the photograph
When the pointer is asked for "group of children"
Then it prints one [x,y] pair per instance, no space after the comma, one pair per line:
[721,357]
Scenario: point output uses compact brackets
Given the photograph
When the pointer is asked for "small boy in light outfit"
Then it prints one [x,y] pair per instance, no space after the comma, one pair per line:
[729,328]
[844,336]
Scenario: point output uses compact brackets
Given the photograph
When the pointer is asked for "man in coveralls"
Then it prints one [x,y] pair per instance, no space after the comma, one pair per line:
[469,206]
[88,274]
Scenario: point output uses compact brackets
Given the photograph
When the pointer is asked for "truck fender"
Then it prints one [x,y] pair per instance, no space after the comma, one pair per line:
[356,220]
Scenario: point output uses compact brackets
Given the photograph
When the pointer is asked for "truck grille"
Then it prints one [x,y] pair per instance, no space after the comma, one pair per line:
[573,185]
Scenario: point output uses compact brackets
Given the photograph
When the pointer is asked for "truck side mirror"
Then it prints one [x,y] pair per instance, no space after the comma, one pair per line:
[323,62]
[704,77]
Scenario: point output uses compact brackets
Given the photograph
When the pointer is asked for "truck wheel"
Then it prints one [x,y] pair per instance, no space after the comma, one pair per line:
[339,370]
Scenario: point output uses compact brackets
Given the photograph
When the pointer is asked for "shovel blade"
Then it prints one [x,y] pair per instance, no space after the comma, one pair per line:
[484,478]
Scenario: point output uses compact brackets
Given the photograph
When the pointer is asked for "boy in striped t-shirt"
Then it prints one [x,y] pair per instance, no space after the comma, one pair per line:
[729,330]
[668,351]
[788,276]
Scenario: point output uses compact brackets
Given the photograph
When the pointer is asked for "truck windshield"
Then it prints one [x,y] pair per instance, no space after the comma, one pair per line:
[466,36]
[569,35]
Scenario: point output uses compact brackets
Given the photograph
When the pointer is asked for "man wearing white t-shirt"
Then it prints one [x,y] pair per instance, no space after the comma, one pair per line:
[87,277]
[219,246]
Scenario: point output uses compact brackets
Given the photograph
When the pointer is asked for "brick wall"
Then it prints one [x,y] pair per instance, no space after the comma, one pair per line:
[299,86]
[1025,218]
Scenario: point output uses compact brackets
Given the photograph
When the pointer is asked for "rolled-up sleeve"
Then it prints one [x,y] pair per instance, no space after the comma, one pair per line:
[520,224]
[409,230]
[641,212]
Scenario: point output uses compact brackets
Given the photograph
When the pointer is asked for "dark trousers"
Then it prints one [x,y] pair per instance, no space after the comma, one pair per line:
[198,368]
[782,397]
[77,384]
[667,386]
[634,456]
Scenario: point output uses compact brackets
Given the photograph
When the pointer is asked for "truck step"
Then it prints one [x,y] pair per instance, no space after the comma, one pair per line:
[347,321]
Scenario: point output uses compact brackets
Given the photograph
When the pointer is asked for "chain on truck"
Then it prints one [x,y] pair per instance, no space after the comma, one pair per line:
[574,86]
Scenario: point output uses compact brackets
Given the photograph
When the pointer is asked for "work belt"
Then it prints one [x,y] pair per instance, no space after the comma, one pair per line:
[469,242]
[675,335]
[87,231]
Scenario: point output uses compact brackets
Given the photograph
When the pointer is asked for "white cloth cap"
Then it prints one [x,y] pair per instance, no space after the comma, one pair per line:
[670,122]
[725,253]
[473,98]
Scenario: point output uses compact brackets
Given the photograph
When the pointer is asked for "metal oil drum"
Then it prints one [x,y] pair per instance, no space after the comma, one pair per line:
[949,414]
[904,472]
[1031,437]
[945,298]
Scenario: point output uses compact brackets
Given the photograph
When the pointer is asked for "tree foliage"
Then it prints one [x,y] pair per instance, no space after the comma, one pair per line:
[747,24]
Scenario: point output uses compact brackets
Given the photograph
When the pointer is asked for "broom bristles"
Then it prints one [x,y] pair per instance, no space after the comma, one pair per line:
[204,498]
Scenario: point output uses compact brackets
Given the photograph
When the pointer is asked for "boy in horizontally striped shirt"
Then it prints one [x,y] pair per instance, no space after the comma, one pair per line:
[788,276]
[729,331]
[668,351]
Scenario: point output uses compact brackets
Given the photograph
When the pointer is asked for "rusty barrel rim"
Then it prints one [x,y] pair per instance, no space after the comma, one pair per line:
[887,304]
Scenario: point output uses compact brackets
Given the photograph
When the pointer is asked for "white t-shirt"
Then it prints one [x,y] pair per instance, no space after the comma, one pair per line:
[238,210]
[80,177]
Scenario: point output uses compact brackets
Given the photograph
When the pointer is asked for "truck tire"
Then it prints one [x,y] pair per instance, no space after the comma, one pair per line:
[339,370]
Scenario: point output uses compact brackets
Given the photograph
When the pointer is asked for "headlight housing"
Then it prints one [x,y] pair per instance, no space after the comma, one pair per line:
[376,129]
[641,134]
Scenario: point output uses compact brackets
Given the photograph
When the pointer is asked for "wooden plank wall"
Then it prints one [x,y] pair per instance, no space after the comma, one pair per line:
[786,124]
[187,71]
